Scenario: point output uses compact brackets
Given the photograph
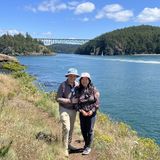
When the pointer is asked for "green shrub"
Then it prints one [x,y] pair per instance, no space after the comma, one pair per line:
[26,81]
[13,66]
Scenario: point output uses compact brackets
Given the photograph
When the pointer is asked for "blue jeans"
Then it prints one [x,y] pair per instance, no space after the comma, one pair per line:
[87,126]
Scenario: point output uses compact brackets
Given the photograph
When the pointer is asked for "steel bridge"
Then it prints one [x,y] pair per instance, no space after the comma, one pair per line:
[50,41]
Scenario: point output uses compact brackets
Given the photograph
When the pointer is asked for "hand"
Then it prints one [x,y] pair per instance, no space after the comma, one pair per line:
[83,112]
[90,113]
[64,100]
[67,101]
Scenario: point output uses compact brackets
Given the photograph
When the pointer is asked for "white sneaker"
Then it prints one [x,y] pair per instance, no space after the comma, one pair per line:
[70,147]
[86,151]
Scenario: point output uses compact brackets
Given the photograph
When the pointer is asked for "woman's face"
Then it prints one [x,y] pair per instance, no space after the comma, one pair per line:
[84,81]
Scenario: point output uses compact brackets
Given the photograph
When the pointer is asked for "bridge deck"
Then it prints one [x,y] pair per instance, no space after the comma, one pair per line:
[50,41]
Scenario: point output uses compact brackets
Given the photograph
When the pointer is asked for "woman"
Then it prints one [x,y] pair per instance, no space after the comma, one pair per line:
[88,103]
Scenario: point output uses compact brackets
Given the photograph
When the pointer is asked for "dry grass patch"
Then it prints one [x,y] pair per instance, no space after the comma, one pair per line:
[21,123]
[23,116]
[8,86]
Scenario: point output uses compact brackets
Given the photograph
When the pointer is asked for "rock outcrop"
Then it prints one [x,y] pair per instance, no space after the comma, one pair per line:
[6,58]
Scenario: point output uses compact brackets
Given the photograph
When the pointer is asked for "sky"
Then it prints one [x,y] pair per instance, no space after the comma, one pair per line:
[85,19]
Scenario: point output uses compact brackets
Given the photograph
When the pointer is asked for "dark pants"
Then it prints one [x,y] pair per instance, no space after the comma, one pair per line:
[87,126]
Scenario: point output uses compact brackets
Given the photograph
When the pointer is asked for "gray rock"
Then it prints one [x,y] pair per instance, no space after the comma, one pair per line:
[6,58]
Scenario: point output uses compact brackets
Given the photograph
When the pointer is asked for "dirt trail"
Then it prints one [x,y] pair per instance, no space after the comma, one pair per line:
[77,155]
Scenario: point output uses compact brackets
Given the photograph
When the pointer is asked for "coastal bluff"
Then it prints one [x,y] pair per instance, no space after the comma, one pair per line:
[6,58]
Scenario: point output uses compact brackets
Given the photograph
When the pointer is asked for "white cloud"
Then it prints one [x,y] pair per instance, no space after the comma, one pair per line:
[48,34]
[10,32]
[115,12]
[121,16]
[42,34]
[57,5]
[86,7]
[149,15]
[72,5]
[51,6]
[47,6]
[33,34]
[112,8]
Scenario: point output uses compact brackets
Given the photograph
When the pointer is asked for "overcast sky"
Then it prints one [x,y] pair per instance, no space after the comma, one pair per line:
[75,19]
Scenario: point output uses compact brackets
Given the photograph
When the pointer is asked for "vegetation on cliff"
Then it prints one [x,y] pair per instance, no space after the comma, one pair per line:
[9,64]
[26,112]
[142,39]
[21,45]
[63,48]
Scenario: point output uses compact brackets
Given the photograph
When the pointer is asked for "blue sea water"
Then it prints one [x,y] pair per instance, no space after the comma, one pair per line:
[129,85]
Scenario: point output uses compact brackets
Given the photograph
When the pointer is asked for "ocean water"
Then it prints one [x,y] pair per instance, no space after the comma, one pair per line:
[129,85]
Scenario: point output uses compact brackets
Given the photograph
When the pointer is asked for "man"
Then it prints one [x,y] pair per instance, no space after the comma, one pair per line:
[67,110]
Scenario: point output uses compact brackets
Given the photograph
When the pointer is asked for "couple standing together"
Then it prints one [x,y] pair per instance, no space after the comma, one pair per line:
[82,97]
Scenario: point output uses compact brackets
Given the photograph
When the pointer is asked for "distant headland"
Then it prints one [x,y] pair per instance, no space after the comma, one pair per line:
[22,45]
[142,39]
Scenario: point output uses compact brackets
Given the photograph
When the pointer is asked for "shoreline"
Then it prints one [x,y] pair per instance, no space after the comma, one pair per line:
[146,54]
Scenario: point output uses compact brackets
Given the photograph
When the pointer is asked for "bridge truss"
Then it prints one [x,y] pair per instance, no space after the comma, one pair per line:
[50,41]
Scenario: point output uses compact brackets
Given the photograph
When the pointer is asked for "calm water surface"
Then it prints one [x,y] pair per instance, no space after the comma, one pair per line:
[129,85]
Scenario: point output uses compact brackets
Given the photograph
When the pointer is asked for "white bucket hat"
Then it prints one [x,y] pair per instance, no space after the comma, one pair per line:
[85,74]
[72,71]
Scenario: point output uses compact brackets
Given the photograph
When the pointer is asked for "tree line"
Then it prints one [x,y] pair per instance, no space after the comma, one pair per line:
[20,44]
[63,48]
[142,39]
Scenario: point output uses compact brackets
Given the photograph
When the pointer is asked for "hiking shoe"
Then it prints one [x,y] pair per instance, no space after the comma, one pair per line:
[70,147]
[86,151]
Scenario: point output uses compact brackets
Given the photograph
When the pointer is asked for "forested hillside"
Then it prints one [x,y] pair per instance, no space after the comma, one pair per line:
[63,48]
[142,39]
[21,45]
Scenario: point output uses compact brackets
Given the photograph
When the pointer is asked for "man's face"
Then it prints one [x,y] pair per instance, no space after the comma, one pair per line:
[71,78]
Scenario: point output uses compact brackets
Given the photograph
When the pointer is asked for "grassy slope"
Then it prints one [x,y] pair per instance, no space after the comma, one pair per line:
[25,111]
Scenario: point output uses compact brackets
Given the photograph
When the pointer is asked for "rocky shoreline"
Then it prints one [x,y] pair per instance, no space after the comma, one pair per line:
[5,59]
